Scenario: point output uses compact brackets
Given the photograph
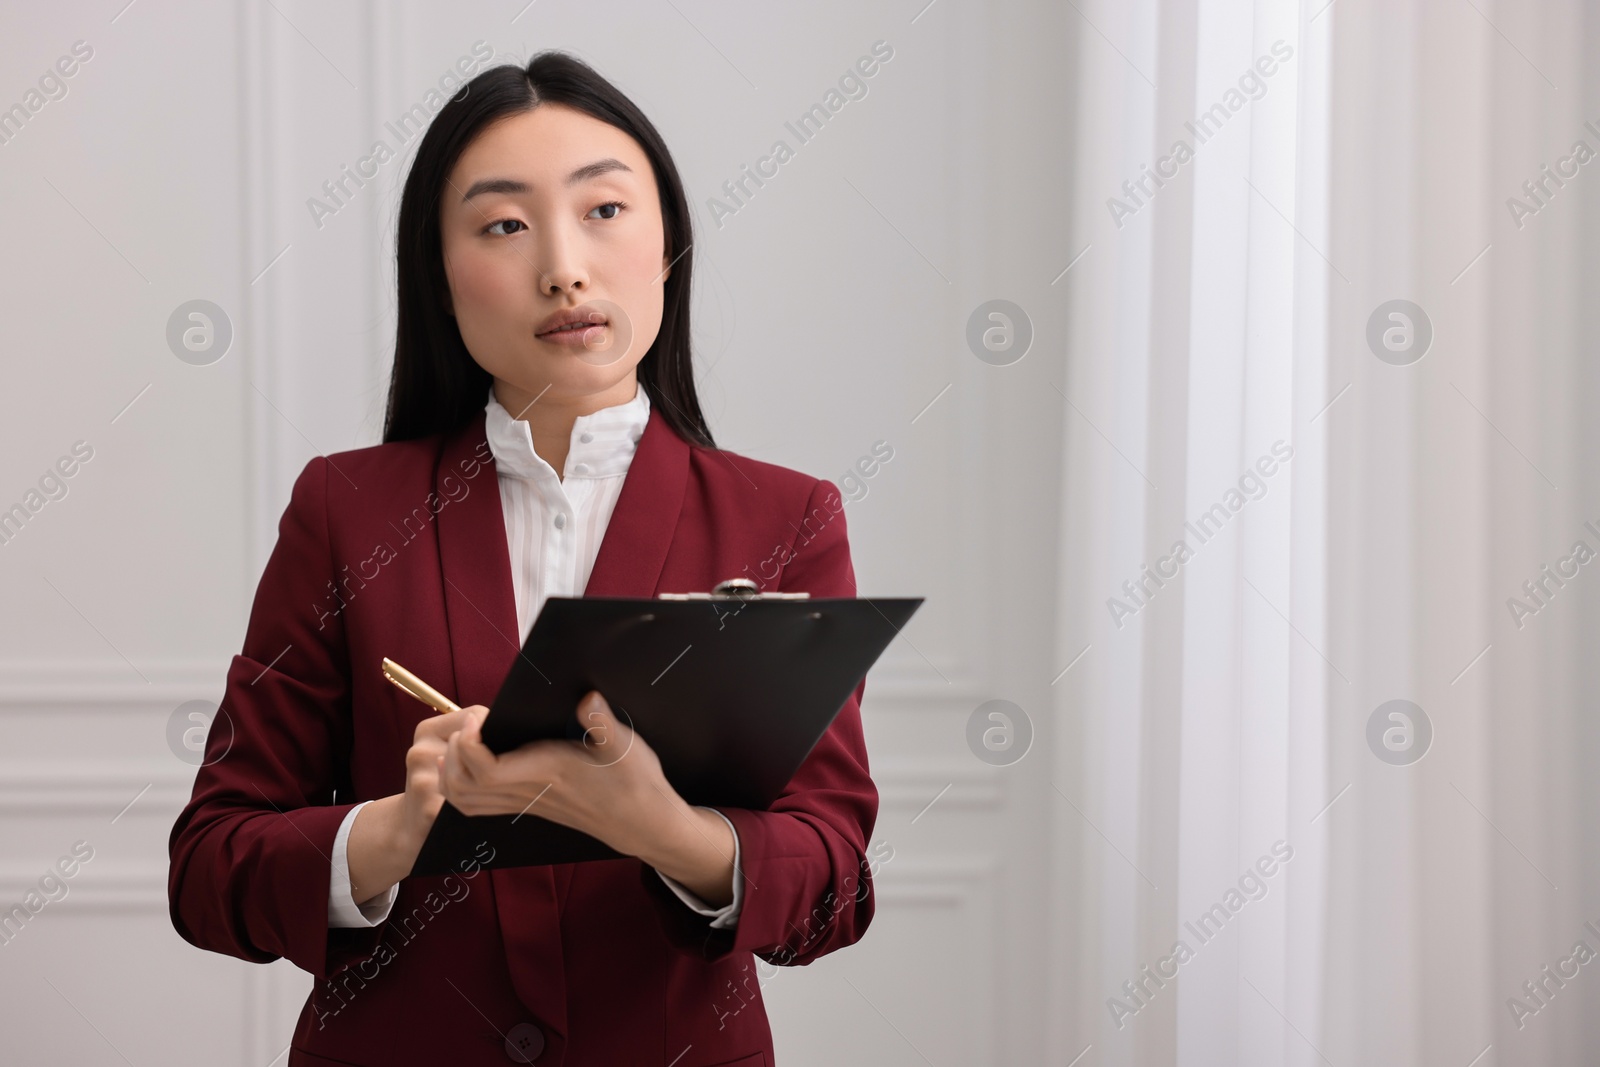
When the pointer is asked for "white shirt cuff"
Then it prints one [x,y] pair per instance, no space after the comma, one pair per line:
[726,916]
[342,907]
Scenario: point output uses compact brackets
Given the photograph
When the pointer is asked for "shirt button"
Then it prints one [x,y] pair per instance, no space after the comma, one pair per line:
[580,468]
[524,1043]
[586,438]
[560,521]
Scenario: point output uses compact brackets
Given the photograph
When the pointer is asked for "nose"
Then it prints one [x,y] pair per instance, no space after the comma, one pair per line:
[558,264]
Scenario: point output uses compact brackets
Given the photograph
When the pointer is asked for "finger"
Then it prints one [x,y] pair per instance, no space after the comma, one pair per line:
[469,727]
[596,716]
[419,757]
[596,738]
[442,726]
[457,775]
[479,762]
[616,718]
[608,737]
[536,761]
[443,786]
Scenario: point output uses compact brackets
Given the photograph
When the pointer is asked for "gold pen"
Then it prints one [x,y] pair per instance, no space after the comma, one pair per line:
[417,687]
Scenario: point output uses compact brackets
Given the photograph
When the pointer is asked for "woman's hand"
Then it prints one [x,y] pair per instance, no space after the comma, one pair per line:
[388,833]
[608,784]
[420,803]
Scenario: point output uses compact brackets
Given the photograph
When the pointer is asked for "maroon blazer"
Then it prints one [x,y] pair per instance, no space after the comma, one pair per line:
[400,550]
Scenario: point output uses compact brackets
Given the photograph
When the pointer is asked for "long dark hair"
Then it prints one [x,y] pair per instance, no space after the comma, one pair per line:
[436,386]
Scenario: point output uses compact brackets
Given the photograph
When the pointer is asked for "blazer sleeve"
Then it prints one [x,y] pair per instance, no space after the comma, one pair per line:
[807,880]
[251,852]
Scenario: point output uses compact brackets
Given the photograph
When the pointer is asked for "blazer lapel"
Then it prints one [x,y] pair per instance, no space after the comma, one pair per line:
[480,601]
[481,612]
[634,548]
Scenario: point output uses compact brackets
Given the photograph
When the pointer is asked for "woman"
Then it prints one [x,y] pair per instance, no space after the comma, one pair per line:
[544,262]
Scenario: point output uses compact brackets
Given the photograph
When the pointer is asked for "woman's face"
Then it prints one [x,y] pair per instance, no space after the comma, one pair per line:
[550,210]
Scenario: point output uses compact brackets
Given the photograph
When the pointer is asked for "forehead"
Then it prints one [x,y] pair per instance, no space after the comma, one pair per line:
[543,146]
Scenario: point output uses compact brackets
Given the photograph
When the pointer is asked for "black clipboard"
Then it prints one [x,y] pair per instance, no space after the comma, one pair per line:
[732,688]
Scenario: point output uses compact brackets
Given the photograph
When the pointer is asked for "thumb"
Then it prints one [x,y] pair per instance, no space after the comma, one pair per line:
[476,714]
[599,722]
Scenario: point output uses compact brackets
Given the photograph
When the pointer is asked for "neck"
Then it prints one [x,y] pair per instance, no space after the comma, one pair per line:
[550,418]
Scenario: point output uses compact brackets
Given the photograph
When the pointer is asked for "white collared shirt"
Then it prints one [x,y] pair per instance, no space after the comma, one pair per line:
[554,527]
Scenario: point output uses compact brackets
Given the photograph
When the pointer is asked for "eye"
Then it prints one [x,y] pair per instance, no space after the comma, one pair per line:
[617,205]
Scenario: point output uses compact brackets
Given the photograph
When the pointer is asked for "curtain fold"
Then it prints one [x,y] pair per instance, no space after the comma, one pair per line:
[1197,558]
[1375,251]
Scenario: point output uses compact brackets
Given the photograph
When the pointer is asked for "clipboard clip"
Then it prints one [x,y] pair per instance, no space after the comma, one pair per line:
[734,589]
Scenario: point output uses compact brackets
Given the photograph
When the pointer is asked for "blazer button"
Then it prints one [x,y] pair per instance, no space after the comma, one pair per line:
[524,1043]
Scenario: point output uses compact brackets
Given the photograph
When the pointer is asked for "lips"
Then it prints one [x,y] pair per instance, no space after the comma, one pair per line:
[572,319]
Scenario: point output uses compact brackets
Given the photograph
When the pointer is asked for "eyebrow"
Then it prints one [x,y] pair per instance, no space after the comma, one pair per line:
[513,186]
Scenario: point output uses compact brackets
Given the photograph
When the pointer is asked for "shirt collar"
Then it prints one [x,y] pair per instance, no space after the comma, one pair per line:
[602,442]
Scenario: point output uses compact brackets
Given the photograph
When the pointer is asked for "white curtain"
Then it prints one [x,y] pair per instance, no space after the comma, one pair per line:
[1223,703]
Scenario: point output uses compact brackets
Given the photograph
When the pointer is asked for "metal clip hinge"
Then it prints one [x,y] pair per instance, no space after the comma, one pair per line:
[735,589]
